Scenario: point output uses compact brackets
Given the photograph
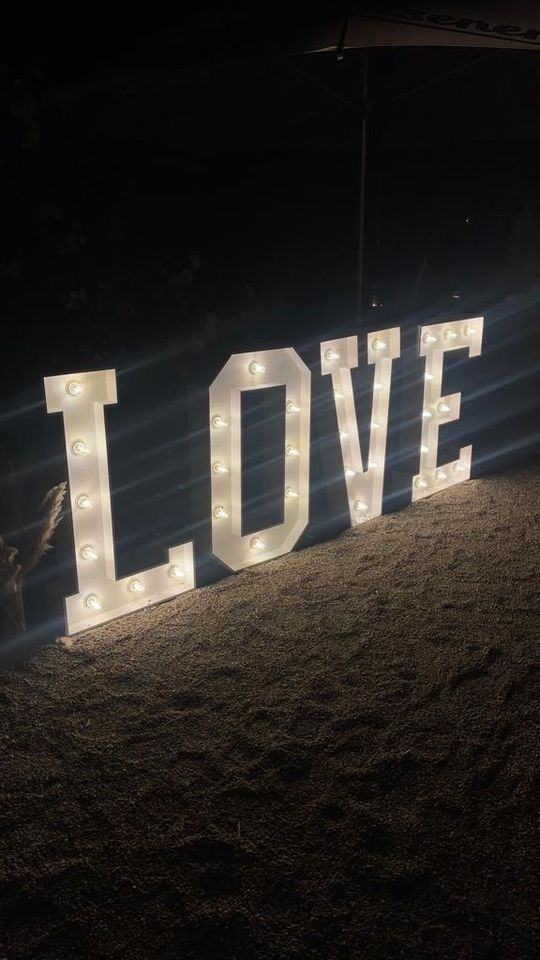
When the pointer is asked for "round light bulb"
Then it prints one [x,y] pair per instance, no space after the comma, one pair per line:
[135,586]
[429,338]
[88,552]
[220,513]
[74,388]
[468,330]
[83,501]
[459,467]
[256,367]
[92,602]
[219,421]
[424,449]
[377,386]
[338,395]
[343,435]
[375,425]
[79,448]
[332,355]
[372,465]
[360,506]
[290,493]
[427,414]
[291,451]
[378,344]
[292,407]
[443,407]
[256,543]
[219,467]
[420,482]
[440,475]
[176,572]
[428,376]
[349,472]
[450,335]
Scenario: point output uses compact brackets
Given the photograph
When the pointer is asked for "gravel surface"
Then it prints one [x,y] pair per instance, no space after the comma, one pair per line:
[332,755]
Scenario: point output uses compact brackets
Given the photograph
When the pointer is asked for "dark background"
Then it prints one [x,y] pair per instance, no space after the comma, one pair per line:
[175,188]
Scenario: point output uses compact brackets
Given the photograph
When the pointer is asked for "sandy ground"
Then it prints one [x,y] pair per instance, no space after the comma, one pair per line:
[334,755]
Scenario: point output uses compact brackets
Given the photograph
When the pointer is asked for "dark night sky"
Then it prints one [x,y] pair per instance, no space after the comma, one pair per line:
[134,141]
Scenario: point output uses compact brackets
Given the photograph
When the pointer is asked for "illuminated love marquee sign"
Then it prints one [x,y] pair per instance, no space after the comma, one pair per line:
[81,398]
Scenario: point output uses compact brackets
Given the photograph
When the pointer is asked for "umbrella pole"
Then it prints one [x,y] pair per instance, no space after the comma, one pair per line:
[363,161]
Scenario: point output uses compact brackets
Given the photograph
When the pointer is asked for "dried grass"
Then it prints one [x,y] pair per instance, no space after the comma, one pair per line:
[13,568]
[52,507]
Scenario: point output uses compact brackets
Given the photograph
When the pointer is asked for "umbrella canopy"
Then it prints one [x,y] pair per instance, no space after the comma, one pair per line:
[439,23]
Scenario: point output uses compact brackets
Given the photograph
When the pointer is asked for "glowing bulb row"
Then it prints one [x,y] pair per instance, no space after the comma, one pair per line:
[135,585]
[218,421]
[440,474]
[467,331]
[360,507]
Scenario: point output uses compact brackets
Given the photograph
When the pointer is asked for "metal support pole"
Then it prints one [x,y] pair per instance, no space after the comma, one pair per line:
[363,160]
